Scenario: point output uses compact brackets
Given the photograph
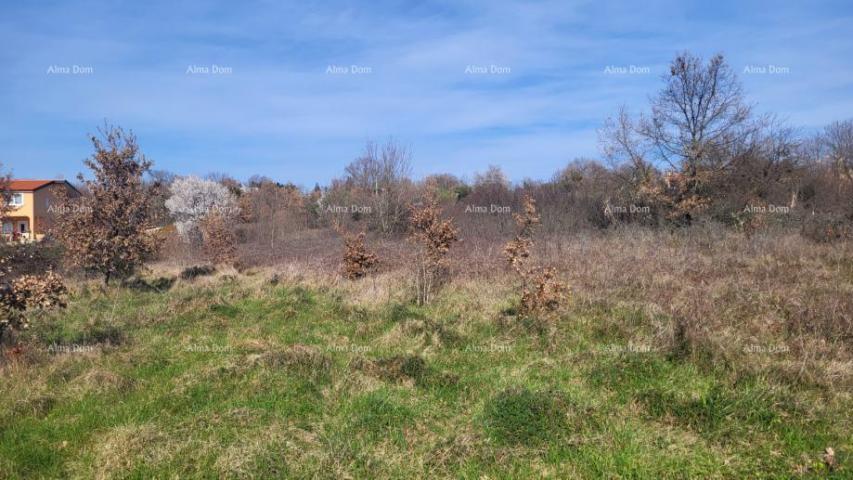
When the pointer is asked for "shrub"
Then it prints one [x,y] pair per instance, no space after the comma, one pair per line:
[29,292]
[517,250]
[540,290]
[27,281]
[39,291]
[827,229]
[545,292]
[30,258]
[748,222]
[435,237]
[190,273]
[219,242]
[160,284]
[358,260]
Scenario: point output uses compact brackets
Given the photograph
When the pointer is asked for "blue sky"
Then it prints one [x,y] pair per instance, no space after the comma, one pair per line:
[274,107]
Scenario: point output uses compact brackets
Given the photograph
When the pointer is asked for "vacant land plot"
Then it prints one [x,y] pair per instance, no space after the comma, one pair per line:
[257,376]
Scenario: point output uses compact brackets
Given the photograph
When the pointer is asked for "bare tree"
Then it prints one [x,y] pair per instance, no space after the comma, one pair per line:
[698,115]
[621,146]
[275,209]
[699,125]
[227,181]
[381,175]
[838,138]
[159,182]
[492,177]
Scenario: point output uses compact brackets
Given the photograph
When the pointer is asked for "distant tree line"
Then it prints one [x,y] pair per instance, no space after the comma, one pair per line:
[699,153]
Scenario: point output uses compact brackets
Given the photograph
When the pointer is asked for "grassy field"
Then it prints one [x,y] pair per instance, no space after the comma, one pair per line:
[244,377]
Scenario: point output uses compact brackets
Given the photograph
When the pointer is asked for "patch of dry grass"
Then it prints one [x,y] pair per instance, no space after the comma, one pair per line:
[700,354]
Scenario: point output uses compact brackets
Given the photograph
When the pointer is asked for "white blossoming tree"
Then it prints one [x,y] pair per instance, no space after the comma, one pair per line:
[193,199]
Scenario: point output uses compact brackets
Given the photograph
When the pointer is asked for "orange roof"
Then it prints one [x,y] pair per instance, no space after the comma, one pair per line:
[30,185]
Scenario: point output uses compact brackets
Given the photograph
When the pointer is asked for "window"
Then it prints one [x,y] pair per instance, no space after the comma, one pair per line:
[7,228]
[16,199]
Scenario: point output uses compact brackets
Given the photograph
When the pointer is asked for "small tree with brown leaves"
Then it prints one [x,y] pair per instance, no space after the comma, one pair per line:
[218,239]
[517,250]
[541,290]
[107,231]
[434,237]
[545,293]
[358,260]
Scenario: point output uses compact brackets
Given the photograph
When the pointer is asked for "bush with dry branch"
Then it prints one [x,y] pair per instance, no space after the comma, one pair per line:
[541,290]
[545,292]
[218,239]
[434,237]
[358,260]
[20,291]
[38,291]
[29,292]
[518,249]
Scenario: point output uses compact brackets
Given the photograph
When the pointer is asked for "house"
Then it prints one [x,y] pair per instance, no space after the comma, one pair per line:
[32,206]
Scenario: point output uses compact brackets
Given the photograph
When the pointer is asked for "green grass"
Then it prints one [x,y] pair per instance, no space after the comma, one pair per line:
[239,381]
[523,417]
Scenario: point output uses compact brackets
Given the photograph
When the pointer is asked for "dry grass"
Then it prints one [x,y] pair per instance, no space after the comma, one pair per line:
[734,295]
[296,371]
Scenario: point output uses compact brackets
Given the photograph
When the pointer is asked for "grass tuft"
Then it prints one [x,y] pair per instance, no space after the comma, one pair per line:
[522,416]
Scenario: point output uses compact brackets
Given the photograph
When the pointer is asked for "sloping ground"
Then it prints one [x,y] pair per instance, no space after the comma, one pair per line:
[242,378]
